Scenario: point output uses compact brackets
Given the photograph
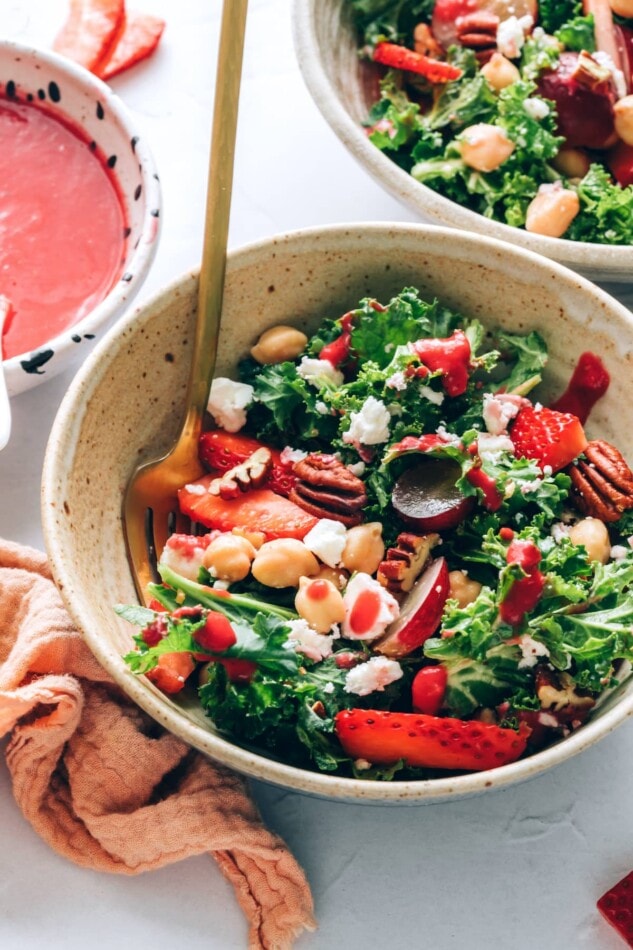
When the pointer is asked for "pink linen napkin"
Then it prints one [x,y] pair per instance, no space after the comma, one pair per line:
[108,788]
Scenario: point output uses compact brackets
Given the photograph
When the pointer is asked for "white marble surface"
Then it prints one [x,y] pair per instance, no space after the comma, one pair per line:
[516,869]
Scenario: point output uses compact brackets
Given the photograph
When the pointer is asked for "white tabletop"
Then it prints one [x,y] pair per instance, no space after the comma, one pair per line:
[516,869]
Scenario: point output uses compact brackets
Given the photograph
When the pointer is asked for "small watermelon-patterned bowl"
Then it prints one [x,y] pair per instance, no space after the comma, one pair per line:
[125,406]
[98,120]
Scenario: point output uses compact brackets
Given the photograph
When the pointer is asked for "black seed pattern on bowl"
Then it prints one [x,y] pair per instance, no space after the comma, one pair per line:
[137,192]
[111,162]
[155,213]
[127,277]
[34,363]
[54,92]
[133,142]
[41,94]
[100,111]
[10,89]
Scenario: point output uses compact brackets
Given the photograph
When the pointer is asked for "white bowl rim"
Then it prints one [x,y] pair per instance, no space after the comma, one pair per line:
[591,258]
[257,766]
[143,255]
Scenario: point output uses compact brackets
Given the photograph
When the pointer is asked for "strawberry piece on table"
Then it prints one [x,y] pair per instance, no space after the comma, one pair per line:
[550,437]
[220,451]
[399,57]
[257,510]
[423,741]
[616,906]
[91,32]
[140,37]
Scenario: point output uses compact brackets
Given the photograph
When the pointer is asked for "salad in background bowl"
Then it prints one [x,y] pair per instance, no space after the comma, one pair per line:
[511,119]
[257,644]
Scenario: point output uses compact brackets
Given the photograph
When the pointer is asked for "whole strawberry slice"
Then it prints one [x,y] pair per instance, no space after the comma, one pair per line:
[219,451]
[550,437]
[384,738]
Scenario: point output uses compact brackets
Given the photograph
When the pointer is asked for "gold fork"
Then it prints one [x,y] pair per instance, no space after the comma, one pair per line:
[150,505]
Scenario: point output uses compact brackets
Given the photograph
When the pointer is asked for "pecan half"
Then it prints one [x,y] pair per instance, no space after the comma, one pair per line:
[405,562]
[478,30]
[602,482]
[327,489]
[251,473]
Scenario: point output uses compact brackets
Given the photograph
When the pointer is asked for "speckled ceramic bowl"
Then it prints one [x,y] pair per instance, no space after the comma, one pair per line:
[344,87]
[90,106]
[125,406]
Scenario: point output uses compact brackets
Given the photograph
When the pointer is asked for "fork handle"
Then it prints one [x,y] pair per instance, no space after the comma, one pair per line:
[218,207]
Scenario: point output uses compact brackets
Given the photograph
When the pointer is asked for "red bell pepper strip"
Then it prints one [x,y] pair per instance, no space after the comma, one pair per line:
[399,57]
[139,39]
[91,31]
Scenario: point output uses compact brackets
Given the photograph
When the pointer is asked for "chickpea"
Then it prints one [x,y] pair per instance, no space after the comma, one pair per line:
[500,72]
[462,588]
[623,114]
[364,548]
[335,575]
[280,563]
[278,344]
[319,603]
[485,147]
[572,162]
[229,557]
[552,211]
[256,538]
[593,535]
[622,7]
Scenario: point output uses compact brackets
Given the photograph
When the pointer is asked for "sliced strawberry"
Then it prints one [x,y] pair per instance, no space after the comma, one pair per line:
[172,671]
[257,510]
[140,37]
[550,437]
[219,451]
[399,57]
[384,738]
[616,906]
[91,31]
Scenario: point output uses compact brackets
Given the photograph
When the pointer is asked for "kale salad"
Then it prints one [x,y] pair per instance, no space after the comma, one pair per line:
[404,565]
[519,110]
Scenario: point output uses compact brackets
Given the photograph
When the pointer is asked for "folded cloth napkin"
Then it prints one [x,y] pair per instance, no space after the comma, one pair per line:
[108,788]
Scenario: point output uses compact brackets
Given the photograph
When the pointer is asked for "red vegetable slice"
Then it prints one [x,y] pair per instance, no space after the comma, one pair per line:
[399,57]
[91,31]
[219,451]
[140,37]
[384,738]
[616,906]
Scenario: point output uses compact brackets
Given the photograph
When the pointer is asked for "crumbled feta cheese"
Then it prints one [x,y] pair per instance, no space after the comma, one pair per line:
[531,650]
[430,394]
[183,554]
[228,401]
[321,408]
[618,551]
[303,639]
[559,531]
[386,606]
[369,426]
[372,676]
[327,540]
[357,469]
[221,585]
[449,437]
[196,489]
[618,76]
[397,381]
[490,447]
[511,35]
[319,372]
[548,470]
[546,719]
[536,108]
[329,688]
[362,765]
[289,455]
[499,409]
[528,487]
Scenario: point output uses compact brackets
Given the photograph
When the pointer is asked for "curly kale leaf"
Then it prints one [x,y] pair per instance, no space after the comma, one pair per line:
[552,14]
[606,210]
[393,20]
